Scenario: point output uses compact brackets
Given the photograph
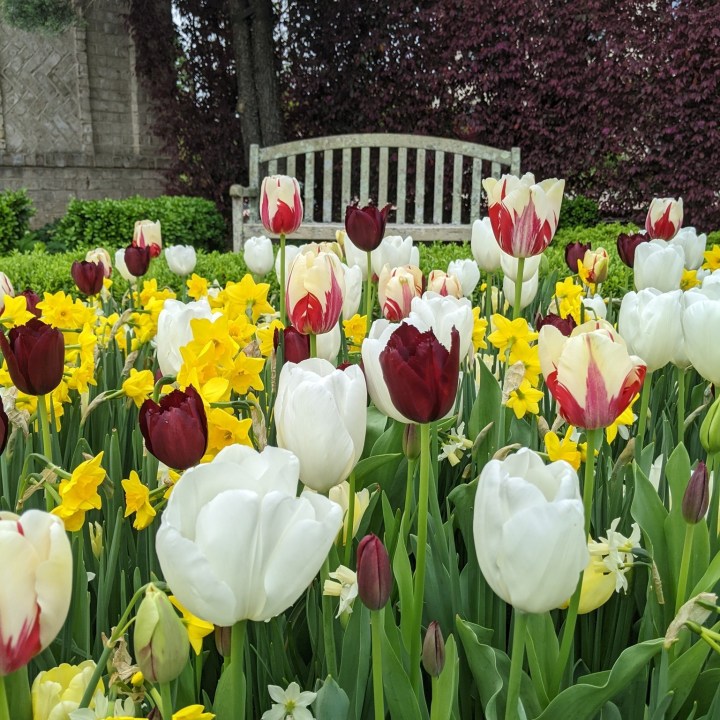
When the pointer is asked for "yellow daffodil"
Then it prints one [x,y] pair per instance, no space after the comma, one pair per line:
[197,286]
[569,298]
[355,330]
[246,374]
[624,420]
[193,712]
[265,335]
[61,311]
[139,385]
[565,449]
[689,280]
[479,329]
[508,332]
[137,500]
[15,311]
[712,258]
[80,493]
[241,330]
[529,357]
[249,297]
[524,400]
[197,628]
[225,429]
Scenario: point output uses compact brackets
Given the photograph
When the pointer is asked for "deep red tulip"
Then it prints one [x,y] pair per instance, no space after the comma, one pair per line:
[4,428]
[137,260]
[296,345]
[32,300]
[35,357]
[88,276]
[574,253]
[374,576]
[420,373]
[366,226]
[696,499]
[176,430]
[627,244]
[564,325]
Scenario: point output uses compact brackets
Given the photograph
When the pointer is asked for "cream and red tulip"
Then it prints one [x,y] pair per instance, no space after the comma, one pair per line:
[664,218]
[281,208]
[396,289]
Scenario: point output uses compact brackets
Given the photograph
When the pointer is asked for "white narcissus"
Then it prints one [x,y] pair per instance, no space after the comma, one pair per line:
[484,246]
[320,416]
[174,331]
[693,246]
[35,585]
[393,251]
[353,290]
[181,259]
[258,255]
[467,272]
[315,289]
[441,314]
[664,218]
[650,323]
[590,374]
[529,532]
[658,265]
[528,292]
[236,543]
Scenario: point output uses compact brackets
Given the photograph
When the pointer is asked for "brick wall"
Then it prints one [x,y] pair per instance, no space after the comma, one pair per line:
[74,121]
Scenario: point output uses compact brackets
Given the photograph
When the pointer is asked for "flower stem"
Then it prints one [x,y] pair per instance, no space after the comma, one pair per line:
[368,295]
[166,697]
[44,422]
[518,287]
[313,345]
[419,589]
[516,663]
[4,709]
[684,565]
[681,405]
[376,623]
[409,498]
[328,619]
[237,662]
[594,440]
[642,418]
[283,315]
[350,522]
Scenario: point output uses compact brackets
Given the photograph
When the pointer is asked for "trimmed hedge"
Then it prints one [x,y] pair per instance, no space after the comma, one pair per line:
[109,223]
[16,209]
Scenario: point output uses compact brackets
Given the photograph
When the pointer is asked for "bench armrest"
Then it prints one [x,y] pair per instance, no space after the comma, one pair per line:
[243,191]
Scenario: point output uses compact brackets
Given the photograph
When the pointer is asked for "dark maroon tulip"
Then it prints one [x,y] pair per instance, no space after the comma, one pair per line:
[627,244]
[35,357]
[366,226]
[697,495]
[564,325]
[176,430]
[420,374]
[575,252]
[137,260]
[433,652]
[88,276]
[4,427]
[374,576]
[32,299]
[296,345]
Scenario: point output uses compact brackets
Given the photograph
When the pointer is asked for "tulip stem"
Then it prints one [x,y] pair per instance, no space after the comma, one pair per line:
[409,498]
[166,698]
[44,426]
[283,316]
[642,417]
[681,405]
[419,589]
[517,656]
[518,287]
[237,663]
[376,617]
[350,522]
[684,566]
[368,295]
[4,709]
[328,619]
[594,440]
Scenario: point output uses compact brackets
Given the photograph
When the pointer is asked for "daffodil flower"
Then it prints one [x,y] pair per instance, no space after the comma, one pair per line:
[290,704]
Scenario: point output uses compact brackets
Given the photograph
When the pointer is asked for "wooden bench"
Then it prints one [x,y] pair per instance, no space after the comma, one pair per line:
[433,183]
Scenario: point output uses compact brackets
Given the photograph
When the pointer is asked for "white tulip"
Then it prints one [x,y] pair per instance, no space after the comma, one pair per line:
[509,265]
[354,256]
[235,543]
[320,415]
[393,251]
[328,344]
[693,245]
[353,290]
[595,307]
[181,259]
[442,313]
[528,292]
[122,267]
[258,255]
[484,246]
[700,316]
[658,265]
[467,272]
[290,252]
[529,531]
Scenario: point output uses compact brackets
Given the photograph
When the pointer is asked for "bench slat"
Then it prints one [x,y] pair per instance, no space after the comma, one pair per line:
[383,178]
[254,166]
[420,187]
[272,167]
[476,190]
[457,188]
[310,186]
[401,184]
[346,170]
[364,176]
[291,166]
[327,185]
[438,188]
[496,172]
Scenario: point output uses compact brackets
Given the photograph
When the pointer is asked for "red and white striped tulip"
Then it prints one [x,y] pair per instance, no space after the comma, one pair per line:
[281,208]
[396,289]
[664,218]
[148,234]
[36,582]
[444,284]
[524,214]
[590,374]
[314,293]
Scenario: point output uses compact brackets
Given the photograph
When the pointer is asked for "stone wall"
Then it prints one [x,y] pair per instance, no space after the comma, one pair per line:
[74,119]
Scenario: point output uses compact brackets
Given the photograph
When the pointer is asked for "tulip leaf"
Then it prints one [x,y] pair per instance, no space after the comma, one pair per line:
[403,578]
[710,578]
[355,658]
[375,427]
[491,668]
[683,673]
[402,701]
[368,471]
[677,474]
[542,651]
[485,411]
[583,700]
[332,702]
[445,688]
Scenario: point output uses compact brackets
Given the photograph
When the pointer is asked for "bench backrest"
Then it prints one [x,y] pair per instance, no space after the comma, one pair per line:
[406,170]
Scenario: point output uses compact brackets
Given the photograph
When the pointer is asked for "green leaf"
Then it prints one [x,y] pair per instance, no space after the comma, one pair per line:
[372,469]
[355,658]
[486,410]
[375,427]
[18,693]
[446,686]
[403,579]
[583,700]
[332,702]
[683,674]
[542,651]
[401,699]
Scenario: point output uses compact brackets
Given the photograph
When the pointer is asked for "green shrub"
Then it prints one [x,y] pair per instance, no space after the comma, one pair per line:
[109,223]
[579,211]
[16,209]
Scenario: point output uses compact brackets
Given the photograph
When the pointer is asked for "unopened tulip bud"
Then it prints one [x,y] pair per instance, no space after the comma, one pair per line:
[223,637]
[411,441]
[710,429]
[373,573]
[161,640]
[433,652]
[697,495]
[596,263]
